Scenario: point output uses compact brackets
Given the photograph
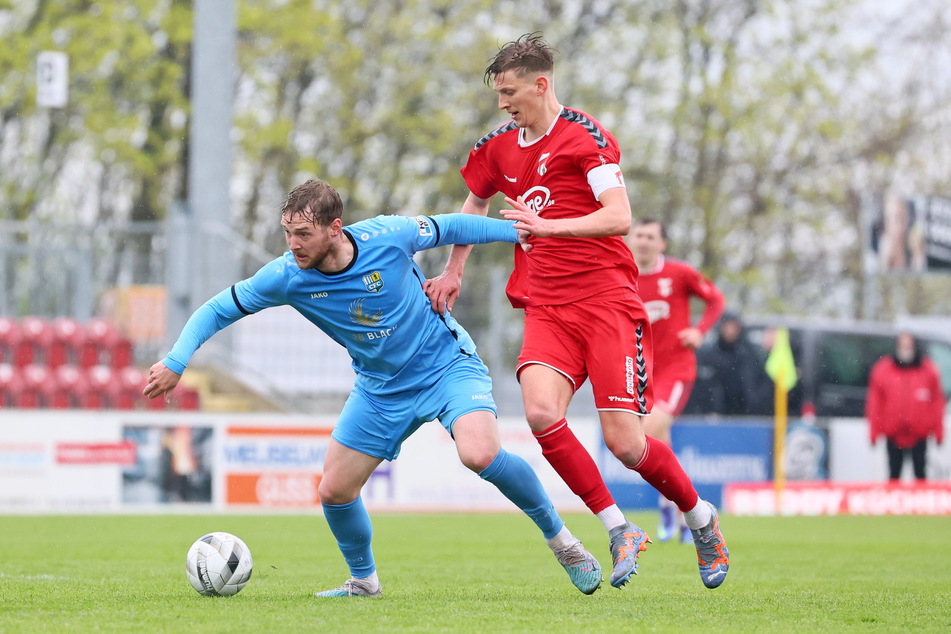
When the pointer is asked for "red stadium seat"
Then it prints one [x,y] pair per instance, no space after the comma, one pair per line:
[7,377]
[31,387]
[105,344]
[157,403]
[69,382]
[67,342]
[34,337]
[9,333]
[130,381]
[120,352]
[96,388]
[188,398]
[95,333]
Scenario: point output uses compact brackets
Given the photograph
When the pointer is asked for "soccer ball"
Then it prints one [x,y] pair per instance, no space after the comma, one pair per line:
[218,565]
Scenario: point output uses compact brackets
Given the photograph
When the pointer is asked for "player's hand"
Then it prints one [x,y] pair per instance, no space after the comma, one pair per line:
[443,291]
[526,219]
[690,337]
[523,241]
[161,381]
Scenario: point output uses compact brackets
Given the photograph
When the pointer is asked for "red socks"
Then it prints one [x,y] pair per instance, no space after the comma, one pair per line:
[575,465]
[660,468]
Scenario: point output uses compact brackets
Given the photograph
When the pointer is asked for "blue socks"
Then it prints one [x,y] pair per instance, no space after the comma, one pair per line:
[350,524]
[516,480]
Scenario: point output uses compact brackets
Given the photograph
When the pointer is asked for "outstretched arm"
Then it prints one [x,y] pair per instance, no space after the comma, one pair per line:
[612,219]
[443,290]
[217,313]
[468,229]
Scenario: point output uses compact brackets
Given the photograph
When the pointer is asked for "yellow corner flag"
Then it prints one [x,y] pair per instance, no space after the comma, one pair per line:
[781,368]
[780,365]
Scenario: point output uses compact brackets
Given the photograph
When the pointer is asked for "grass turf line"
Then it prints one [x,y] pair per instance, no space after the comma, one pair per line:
[473,573]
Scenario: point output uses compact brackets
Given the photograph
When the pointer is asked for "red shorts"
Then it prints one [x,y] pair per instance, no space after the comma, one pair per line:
[671,393]
[606,341]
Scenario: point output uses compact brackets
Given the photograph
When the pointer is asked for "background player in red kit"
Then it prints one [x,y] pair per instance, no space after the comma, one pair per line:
[559,170]
[666,286]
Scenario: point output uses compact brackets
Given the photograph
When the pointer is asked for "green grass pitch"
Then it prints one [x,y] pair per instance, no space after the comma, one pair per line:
[474,573]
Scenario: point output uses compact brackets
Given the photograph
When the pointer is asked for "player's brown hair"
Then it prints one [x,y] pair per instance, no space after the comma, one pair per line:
[313,201]
[528,54]
[653,221]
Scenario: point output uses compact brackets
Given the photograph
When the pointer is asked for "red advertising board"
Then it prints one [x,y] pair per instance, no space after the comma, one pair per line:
[838,498]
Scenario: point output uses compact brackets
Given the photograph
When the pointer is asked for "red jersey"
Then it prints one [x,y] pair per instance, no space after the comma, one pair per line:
[666,291]
[905,404]
[559,175]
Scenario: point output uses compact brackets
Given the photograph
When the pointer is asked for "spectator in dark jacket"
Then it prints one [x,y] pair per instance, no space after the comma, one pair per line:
[731,372]
[905,405]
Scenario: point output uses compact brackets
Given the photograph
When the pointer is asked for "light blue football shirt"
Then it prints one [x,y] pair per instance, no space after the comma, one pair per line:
[375,308]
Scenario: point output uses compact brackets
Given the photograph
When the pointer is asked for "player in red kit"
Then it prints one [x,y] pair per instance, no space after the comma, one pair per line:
[559,169]
[666,286]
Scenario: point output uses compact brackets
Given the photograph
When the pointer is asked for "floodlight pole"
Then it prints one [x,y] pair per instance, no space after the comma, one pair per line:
[201,261]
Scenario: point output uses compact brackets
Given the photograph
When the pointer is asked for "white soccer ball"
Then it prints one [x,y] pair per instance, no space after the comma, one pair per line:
[218,565]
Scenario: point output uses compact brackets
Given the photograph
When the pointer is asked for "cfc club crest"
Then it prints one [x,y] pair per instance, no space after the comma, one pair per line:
[373,282]
[665,286]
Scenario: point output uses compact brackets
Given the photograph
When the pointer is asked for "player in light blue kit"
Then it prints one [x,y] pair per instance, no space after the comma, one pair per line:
[360,285]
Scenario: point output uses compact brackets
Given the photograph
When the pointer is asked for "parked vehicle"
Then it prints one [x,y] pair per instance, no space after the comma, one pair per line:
[833,361]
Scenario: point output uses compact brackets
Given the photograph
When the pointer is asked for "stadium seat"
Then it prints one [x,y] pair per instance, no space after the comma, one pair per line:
[130,381]
[69,382]
[31,387]
[157,403]
[34,337]
[105,344]
[67,342]
[120,351]
[95,332]
[9,332]
[6,378]
[96,389]
[188,398]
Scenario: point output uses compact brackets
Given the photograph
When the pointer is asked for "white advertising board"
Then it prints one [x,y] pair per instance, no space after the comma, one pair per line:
[79,462]
[93,462]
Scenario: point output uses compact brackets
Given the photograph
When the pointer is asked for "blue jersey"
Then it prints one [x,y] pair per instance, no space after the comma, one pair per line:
[376,307]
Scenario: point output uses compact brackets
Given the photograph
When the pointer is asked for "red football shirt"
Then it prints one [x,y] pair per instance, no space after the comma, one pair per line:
[666,292]
[559,175]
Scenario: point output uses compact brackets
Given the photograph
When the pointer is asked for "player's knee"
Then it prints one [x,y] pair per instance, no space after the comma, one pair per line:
[478,460]
[330,493]
[541,416]
[627,449]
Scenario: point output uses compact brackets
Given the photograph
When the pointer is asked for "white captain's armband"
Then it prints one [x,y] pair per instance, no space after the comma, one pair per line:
[425,225]
[605,177]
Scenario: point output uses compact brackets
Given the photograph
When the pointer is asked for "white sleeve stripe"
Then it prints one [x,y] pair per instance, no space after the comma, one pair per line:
[605,177]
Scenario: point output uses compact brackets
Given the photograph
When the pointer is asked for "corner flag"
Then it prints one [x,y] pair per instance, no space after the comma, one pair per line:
[780,365]
[781,368]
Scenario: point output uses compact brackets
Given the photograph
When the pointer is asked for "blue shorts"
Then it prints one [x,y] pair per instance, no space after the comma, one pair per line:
[377,425]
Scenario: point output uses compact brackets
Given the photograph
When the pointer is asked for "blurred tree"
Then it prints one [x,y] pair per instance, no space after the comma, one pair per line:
[750,126]
[115,151]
